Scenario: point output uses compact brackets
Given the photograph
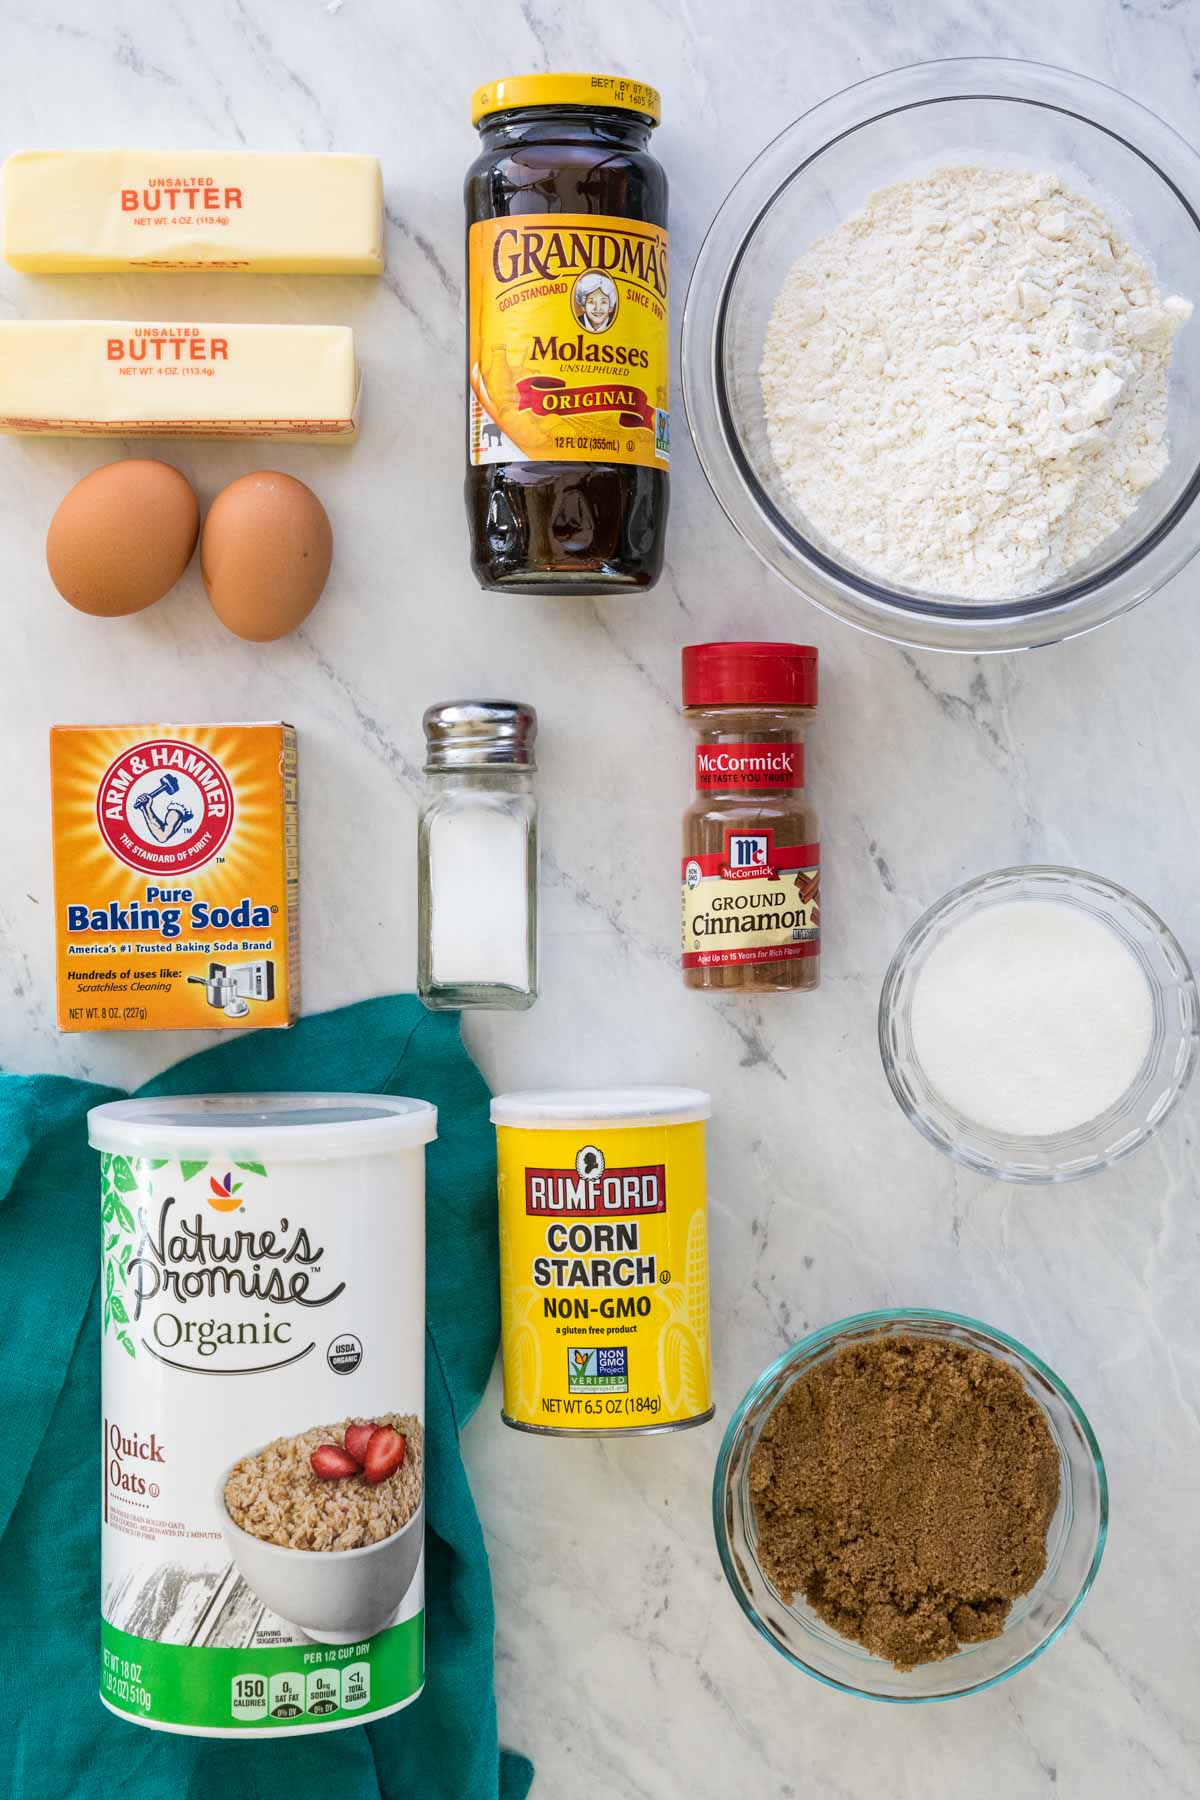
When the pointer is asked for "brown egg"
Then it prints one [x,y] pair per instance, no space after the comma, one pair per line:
[122,537]
[265,554]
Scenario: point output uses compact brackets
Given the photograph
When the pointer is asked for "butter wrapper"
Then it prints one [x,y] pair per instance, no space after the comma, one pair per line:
[90,212]
[115,378]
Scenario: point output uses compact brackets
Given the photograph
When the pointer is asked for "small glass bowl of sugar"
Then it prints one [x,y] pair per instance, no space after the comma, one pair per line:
[1038,1024]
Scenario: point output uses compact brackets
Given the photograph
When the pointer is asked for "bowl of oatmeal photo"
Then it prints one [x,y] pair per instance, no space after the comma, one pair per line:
[326,1527]
[939,358]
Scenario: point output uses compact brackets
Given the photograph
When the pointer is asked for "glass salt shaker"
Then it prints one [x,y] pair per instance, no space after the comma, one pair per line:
[477,857]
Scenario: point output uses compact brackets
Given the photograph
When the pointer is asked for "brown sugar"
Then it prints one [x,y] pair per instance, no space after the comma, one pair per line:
[905,1489]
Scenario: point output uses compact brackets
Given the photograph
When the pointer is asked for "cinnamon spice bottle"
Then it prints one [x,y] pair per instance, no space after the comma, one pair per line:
[751,859]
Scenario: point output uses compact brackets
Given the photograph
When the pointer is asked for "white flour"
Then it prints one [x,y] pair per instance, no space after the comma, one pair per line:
[965,384]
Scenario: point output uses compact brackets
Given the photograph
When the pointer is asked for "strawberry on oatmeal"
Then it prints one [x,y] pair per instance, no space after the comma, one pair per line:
[334,1487]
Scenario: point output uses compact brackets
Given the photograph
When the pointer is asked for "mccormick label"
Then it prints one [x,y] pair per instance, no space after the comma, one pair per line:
[592,1190]
[604,1278]
[749,766]
[755,901]
[166,346]
[568,340]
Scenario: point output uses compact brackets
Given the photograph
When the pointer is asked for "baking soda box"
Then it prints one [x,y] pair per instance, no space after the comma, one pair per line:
[176,876]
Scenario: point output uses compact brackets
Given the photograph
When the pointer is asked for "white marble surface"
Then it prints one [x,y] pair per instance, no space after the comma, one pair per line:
[624,1666]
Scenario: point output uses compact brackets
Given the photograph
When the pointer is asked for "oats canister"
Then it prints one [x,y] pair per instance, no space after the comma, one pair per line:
[263,1289]
[604,1260]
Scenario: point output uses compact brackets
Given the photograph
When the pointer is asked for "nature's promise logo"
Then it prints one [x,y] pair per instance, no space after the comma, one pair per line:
[224,1195]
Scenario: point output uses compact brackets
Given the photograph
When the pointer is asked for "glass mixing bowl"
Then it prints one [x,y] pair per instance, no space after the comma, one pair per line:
[1162,1078]
[824,167]
[1074,1543]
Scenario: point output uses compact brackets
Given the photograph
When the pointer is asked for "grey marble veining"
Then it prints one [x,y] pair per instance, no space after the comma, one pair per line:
[624,1666]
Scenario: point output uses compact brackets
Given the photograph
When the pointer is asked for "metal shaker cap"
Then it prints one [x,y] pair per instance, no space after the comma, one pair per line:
[465,734]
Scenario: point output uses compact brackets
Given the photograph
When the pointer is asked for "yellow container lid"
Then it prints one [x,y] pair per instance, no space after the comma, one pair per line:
[566,90]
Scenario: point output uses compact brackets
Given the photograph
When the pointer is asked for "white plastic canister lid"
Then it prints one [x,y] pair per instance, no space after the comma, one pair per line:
[278,1127]
[575,1109]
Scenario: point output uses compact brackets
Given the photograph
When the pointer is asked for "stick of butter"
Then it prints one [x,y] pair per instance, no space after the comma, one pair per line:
[80,212]
[110,378]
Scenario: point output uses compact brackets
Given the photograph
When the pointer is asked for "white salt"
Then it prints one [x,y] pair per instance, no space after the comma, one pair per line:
[1031,1017]
[479,875]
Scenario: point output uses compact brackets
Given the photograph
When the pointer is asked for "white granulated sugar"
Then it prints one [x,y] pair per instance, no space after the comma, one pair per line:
[1031,1017]
[965,384]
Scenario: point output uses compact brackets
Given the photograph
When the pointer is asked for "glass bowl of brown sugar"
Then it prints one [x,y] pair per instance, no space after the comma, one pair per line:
[852,1438]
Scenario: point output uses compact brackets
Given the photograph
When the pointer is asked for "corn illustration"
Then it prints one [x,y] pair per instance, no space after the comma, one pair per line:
[522,1348]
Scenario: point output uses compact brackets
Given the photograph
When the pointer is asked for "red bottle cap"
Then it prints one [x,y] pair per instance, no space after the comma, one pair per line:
[749,675]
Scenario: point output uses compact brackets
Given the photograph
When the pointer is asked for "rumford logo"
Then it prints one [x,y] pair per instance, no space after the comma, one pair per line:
[164,807]
[749,765]
[523,252]
[592,1190]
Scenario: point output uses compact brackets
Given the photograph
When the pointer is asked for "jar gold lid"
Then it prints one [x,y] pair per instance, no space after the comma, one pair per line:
[566,90]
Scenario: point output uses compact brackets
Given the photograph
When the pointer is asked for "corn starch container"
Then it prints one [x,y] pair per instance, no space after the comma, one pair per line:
[604,1260]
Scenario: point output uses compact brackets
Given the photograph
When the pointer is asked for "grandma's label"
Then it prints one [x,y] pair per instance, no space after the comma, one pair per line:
[604,1278]
[752,902]
[569,354]
[749,766]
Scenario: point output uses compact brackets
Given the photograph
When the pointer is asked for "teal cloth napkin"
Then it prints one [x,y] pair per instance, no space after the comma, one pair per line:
[59,1742]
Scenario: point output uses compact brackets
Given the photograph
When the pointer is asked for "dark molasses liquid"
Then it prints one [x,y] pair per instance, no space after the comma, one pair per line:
[573,527]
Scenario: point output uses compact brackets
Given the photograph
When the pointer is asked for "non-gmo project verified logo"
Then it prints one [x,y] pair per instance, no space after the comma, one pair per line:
[599,1370]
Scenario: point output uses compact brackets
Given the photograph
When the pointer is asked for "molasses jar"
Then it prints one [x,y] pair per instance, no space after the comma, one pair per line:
[751,856]
[568,439]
